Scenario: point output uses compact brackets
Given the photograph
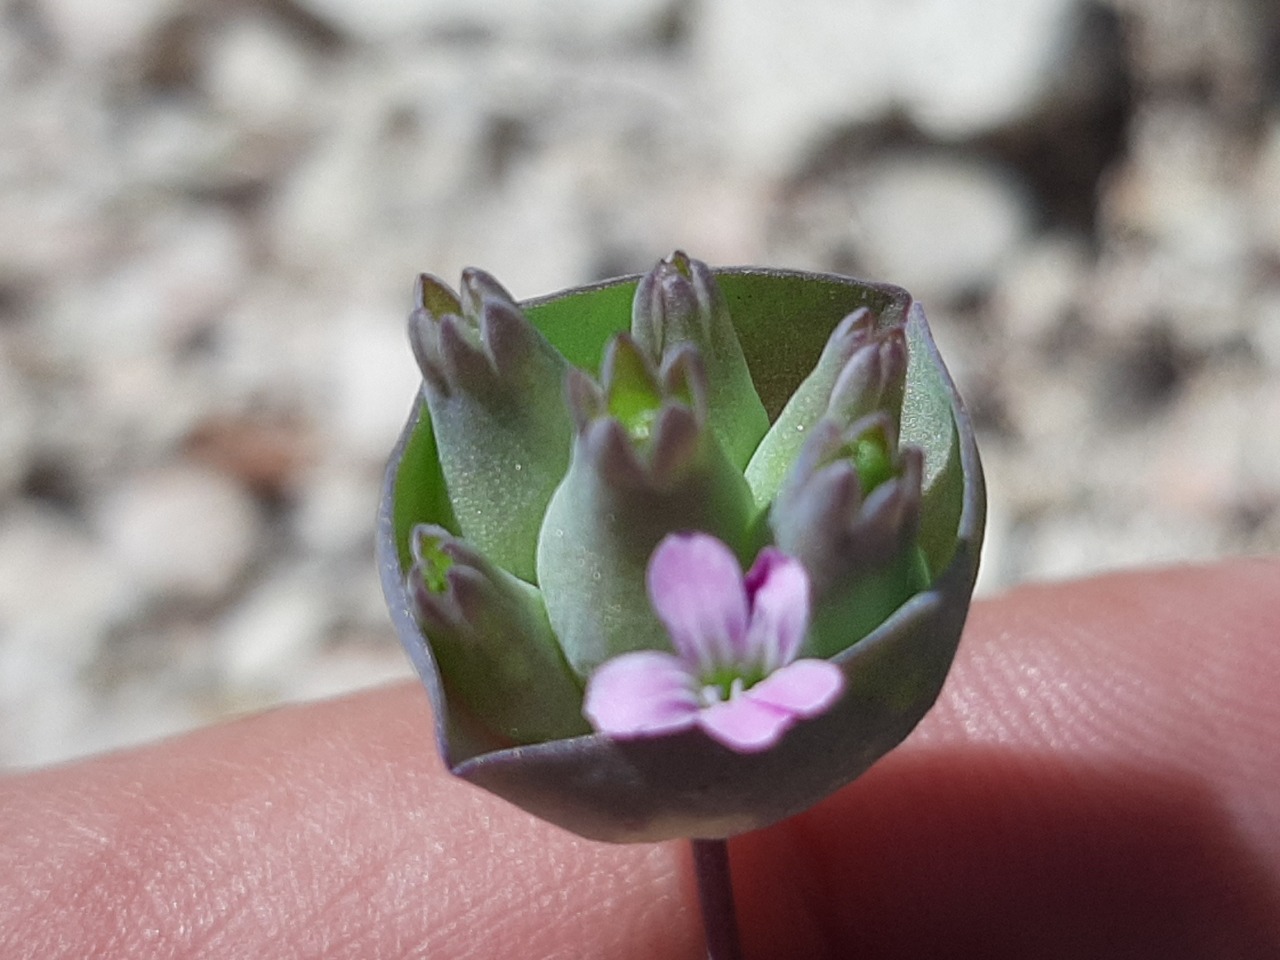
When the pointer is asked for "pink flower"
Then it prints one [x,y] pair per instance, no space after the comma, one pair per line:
[734,672]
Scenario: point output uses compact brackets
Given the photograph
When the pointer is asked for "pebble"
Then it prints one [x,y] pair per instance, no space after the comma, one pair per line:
[580,21]
[1179,192]
[1265,332]
[1264,201]
[940,227]
[334,511]
[280,624]
[258,74]
[179,270]
[59,586]
[96,31]
[60,593]
[957,69]
[1101,537]
[356,666]
[1037,289]
[180,532]
[17,434]
[373,382]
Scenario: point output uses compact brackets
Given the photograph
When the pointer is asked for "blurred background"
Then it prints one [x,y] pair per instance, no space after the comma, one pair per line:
[212,213]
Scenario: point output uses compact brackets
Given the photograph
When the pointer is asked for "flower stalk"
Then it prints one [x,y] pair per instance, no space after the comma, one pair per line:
[715,897]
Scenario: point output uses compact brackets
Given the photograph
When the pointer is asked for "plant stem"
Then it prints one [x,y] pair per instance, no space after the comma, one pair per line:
[715,893]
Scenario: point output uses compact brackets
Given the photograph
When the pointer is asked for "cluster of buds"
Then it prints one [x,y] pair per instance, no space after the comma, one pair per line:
[571,586]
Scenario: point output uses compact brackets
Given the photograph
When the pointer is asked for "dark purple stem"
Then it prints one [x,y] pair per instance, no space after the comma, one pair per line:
[715,893]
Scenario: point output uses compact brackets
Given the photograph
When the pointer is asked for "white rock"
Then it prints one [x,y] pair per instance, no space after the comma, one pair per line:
[1179,188]
[59,589]
[585,21]
[335,510]
[257,73]
[1265,328]
[361,202]
[780,79]
[373,382]
[182,269]
[939,227]
[186,145]
[59,595]
[277,628]
[1219,48]
[344,670]
[1260,467]
[322,215]
[182,532]
[49,718]
[1264,208]
[1204,445]
[1114,536]
[51,135]
[96,30]
[58,234]
[977,65]
[17,434]
[535,235]
[140,712]
[1206,305]
[1039,287]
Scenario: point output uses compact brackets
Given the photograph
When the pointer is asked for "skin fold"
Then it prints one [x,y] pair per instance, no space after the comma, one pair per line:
[1100,778]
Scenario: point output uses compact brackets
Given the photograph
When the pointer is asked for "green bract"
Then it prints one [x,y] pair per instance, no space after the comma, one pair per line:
[558,441]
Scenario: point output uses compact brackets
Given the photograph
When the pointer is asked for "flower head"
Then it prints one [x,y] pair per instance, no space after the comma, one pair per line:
[585,477]
[734,672]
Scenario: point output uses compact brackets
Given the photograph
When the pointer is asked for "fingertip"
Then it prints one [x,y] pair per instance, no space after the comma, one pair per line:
[1098,777]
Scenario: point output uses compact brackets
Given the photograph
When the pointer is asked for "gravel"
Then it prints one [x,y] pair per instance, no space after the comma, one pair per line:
[214,214]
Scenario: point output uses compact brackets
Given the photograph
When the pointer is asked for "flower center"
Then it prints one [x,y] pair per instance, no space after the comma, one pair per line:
[725,683]
[434,564]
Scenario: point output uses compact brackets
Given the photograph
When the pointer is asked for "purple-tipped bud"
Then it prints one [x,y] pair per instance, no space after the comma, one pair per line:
[494,388]
[853,360]
[850,511]
[492,641]
[645,463]
[679,303]
[872,380]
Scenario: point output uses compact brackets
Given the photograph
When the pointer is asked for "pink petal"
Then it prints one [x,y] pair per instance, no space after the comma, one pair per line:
[695,586]
[641,694]
[778,586]
[744,725]
[802,689]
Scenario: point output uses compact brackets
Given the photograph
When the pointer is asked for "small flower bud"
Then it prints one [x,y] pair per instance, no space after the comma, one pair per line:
[644,464]
[494,388]
[872,380]
[853,345]
[491,638]
[678,302]
[849,511]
